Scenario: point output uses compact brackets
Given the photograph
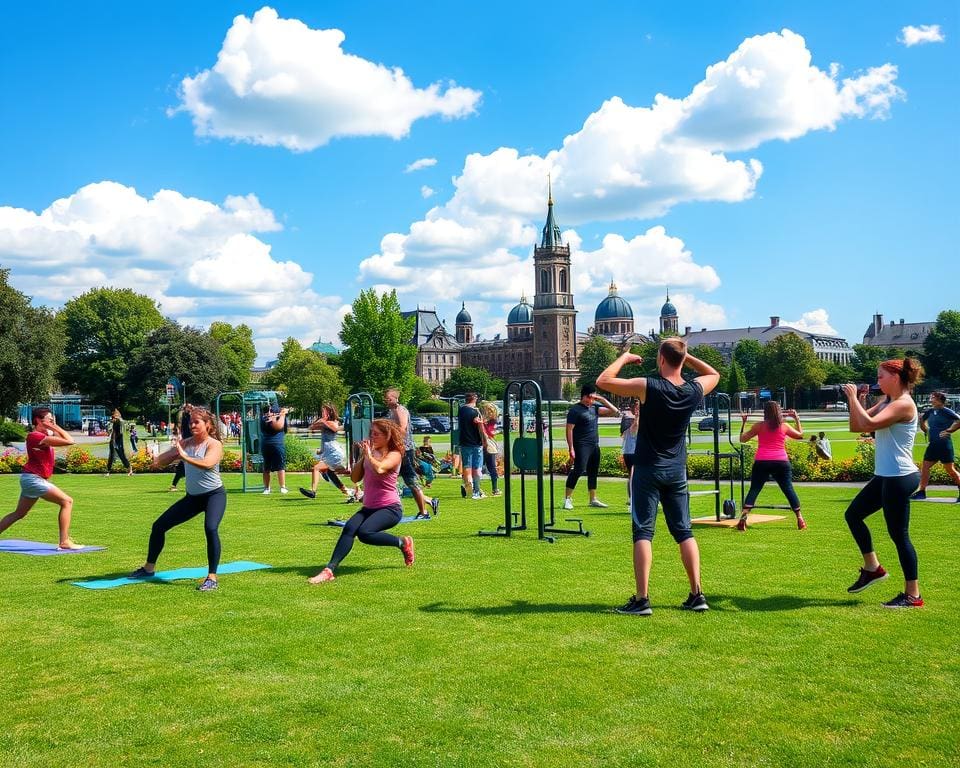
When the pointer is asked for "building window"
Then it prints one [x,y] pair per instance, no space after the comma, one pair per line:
[544,281]
[563,281]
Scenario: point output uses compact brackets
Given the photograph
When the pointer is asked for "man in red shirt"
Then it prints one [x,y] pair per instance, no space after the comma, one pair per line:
[34,483]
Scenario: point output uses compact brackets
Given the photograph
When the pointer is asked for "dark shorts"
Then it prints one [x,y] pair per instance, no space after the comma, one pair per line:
[274,458]
[668,486]
[628,460]
[941,450]
[408,470]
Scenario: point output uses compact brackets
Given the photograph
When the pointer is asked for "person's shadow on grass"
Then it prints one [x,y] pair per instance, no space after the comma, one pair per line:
[775,602]
[516,608]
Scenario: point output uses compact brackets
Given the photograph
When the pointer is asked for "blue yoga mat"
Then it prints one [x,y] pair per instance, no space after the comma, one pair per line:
[409,519]
[179,573]
[21,547]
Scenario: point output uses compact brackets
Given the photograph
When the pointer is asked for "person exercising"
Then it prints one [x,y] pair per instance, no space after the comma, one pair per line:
[938,424]
[583,442]
[332,457]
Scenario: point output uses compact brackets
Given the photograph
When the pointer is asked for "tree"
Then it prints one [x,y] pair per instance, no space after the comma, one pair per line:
[467,379]
[420,390]
[237,350]
[711,356]
[748,353]
[835,373]
[379,353]
[941,348]
[736,381]
[595,356]
[570,390]
[172,350]
[31,349]
[790,363]
[105,330]
[306,379]
[868,358]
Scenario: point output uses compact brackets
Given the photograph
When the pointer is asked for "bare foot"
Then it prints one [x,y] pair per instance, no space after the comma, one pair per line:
[69,544]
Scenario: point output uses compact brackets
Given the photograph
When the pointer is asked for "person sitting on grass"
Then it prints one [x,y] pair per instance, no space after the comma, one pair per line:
[34,480]
[201,454]
[426,462]
[332,457]
[379,467]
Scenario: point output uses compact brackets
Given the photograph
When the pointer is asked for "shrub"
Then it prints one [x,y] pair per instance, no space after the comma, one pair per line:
[300,456]
[12,461]
[432,407]
[12,432]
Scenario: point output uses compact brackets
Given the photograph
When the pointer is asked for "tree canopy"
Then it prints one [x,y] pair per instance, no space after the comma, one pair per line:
[868,358]
[468,379]
[31,349]
[749,354]
[941,349]
[790,363]
[306,380]
[378,351]
[237,350]
[595,356]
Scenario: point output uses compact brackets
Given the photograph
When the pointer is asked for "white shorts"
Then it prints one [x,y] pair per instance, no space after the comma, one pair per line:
[332,455]
[33,486]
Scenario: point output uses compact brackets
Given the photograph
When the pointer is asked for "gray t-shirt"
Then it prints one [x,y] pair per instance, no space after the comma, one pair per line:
[394,415]
[199,480]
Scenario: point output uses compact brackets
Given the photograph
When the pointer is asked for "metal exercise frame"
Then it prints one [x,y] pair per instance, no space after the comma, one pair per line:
[357,418]
[251,438]
[734,453]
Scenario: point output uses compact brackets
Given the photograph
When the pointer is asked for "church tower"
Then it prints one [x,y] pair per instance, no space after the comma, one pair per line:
[554,316]
[464,325]
[669,321]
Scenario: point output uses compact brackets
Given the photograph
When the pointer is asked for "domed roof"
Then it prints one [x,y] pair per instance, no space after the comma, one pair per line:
[668,310]
[613,307]
[522,314]
[463,317]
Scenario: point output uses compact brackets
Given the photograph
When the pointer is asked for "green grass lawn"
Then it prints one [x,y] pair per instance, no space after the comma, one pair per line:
[488,652]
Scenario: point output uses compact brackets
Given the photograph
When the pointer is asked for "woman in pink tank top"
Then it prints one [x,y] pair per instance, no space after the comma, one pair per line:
[378,466]
[771,459]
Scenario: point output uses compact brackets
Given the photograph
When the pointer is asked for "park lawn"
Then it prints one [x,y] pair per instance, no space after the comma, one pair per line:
[488,652]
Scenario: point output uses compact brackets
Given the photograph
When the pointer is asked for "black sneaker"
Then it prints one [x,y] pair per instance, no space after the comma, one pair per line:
[904,601]
[435,503]
[308,493]
[141,573]
[867,578]
[463,491]
[208,585]
[634,607]
[695,602]
[919,496]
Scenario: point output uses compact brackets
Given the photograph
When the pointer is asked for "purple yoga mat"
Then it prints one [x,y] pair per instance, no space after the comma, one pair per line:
[21,547]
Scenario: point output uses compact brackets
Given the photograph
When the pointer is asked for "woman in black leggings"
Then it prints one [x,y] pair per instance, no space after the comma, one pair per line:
[200,455]
[894,419]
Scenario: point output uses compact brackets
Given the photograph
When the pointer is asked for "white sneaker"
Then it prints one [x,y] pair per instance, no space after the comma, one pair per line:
[478,496]
[598,503]
[284,490]
[568,503]
[266,491]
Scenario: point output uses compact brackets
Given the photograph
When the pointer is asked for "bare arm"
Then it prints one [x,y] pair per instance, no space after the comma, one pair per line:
[610,382]
[165,458]
[58,439]
[899,410]
[570,440]
[707,376]
[746,437]
[356,470]
[383,465]
[607,408]
[951,429]
[796,432]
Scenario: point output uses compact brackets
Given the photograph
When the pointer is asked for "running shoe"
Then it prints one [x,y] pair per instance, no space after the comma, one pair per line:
[325,575]
[919,496]
[266,491]
[435,504]
[141,573]
[208,585]
[478,496]
[283,489]
[500,493]
[597,503]
[634,607]
[463,492]
[308,493]
[406,546]
[904,600]
[568,503]
[742,524]
[421,516]
[695,602]
[867,578]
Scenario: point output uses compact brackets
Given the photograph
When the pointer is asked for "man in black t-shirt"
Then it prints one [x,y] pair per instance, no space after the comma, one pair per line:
[583,442]
[660,461]
[472,441]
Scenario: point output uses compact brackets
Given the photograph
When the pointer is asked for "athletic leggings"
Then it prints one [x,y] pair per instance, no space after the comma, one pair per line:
[332,477]
[587,462]
[490,462]
[116,452]
[213,504]
[892,494]
[368,526]
[178,474]
[782,472]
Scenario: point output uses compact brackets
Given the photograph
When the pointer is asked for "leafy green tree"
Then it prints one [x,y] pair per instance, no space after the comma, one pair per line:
[648,351]
[595,356]
[868,358]
[237,350]
[468,379]
[790,363]
[379,352]
[941,348]
[749,353]
[31,349]
[711,356]
[838,374]
[736,381]
[105,330]
[420,391]
[306,379]
[570,390]
[173,350]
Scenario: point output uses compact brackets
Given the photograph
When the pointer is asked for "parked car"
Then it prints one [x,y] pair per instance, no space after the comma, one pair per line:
[440,424]
[420,425]
[706,425]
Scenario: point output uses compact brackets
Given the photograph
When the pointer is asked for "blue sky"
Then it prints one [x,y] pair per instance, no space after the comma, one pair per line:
[252,163]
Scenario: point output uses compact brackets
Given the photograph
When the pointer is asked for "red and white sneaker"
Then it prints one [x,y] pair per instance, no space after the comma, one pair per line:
[742,523]
[904,600]
[867,578]
[325,575]
[406,546]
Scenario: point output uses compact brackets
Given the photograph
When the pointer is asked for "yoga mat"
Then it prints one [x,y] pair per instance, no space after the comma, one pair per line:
[21,547]
[937,500]
[409,519]
[179,573]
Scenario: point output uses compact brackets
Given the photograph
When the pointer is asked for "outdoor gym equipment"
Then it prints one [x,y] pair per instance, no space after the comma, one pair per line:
[253,405]
[455,402]
[527,456]
[357,418]
[727,508]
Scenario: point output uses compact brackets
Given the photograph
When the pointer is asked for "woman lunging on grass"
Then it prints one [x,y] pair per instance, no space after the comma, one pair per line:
[771,459]
[378,468]
[894,419]
[332,459]
[200,455]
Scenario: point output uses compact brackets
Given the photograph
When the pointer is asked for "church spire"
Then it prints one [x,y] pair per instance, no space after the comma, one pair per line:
[551,230]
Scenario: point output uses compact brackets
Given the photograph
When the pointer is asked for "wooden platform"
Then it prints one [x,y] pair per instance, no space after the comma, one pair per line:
[732,523]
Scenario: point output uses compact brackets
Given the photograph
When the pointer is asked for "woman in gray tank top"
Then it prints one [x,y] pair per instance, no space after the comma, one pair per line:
[200,455]
[896,477]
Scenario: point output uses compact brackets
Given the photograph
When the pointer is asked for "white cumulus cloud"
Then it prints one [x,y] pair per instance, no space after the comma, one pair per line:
[427,192]
[277,82]
[814,321]
[423,162]
[925,33]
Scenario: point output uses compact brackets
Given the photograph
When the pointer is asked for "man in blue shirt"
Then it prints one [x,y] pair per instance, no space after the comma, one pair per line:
[938,423]
[660,461]
[583,442]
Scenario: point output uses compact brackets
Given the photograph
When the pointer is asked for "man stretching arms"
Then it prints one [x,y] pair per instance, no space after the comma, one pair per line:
[583,442]
[660,468]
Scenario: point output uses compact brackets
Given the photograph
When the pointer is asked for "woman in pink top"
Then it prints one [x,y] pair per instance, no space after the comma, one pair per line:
[378,468]
[771,458]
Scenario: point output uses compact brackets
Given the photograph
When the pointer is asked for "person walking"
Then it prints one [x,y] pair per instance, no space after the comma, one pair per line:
[134,438]
[35,477]
[378,467]
[938,424]
[473,438]
[116,444]
[894,419]
[583,442]
[771,458]
[201,454]
[660,462]
[332,457]
[273,428]
[400,416]
[491,450]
